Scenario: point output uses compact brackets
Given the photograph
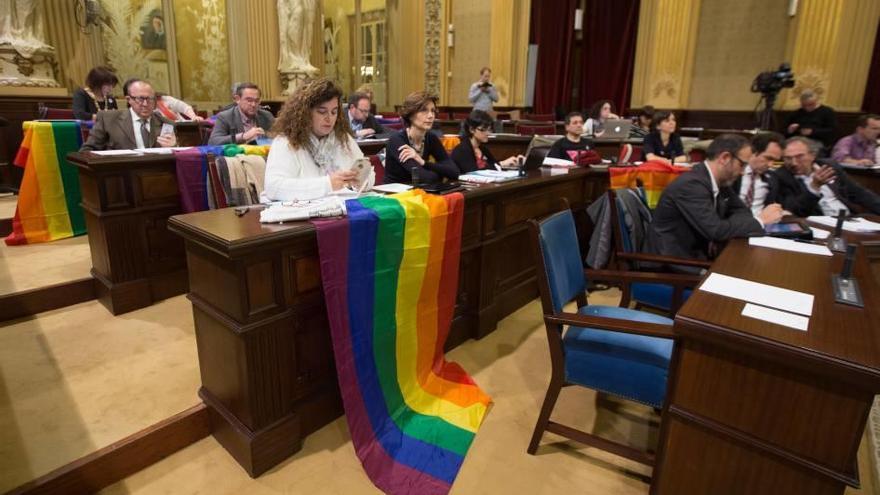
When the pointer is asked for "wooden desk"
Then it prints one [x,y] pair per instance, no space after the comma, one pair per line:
[190,133]
[502,146]
[610,148]
[264,347]
[866,177]
[762,409]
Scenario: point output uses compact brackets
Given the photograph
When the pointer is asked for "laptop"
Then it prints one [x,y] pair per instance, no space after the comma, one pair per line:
[616,129]
[535,158]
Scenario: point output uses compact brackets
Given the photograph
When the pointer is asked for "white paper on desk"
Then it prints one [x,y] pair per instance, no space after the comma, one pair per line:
[158,151]
[549,161]
[855,225]
[790,320]
[789,245]
[394,187]
[117,152]
[819,233]
[763,294]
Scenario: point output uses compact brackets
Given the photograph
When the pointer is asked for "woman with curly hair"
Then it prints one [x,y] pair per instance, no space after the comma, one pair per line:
[414,148]
[313,152]
[601,111]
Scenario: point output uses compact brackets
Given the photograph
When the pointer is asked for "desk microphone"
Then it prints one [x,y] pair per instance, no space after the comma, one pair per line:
[836,242]
[845,286]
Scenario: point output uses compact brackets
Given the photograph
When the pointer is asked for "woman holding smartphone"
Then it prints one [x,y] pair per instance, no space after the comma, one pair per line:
[312,153]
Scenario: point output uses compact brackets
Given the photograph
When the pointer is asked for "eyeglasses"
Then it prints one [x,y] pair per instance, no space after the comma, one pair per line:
[740,160]
[482,129]
[251,100]
[363,111]
[142,100]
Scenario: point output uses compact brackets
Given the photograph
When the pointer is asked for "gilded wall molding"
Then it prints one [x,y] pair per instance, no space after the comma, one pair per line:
[433,24]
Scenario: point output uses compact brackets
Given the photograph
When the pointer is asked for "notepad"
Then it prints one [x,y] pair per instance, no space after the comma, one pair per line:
[789,245]
[853,225]
[758,293]
[392,188]
[790,320]
[819,233]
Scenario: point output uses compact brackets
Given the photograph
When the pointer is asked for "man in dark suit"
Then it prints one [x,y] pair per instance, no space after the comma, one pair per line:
[699,211]
[245,122]
[363,124]
[808,186]
[813,120]
[757,181]
[135,128]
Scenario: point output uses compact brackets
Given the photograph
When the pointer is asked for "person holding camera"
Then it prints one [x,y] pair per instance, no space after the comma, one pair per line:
[483,93]
[812,120]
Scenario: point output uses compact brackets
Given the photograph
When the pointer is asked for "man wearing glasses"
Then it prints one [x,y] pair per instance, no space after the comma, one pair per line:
[757,180]
[808,186]
[136,128]
[245,122]
[699,211]
[363,125]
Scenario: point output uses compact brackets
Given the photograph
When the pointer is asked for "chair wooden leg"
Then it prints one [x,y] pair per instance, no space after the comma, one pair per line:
[544,418]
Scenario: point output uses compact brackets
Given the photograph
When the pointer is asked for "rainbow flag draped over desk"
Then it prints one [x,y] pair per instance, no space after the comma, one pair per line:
[390,277]
[655,176]
[49,198]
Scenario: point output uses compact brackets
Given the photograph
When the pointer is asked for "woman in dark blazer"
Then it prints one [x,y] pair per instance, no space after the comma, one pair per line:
[415,149]
[95,96]
[472,153]
[663,143]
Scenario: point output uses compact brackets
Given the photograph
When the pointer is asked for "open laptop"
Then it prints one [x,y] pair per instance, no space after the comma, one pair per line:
[616,129]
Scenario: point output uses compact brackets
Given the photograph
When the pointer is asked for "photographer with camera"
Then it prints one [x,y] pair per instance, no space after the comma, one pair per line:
[483,93]
[812,120]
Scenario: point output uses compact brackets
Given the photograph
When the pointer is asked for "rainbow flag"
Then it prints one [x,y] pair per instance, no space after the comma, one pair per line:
[390,276]
[655,176]
[48,200]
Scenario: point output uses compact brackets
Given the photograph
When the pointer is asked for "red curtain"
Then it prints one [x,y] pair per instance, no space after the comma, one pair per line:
[552,29]
[871,102]
[609,52]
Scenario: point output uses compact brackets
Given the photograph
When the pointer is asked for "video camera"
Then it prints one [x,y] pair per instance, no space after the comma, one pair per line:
[772,82]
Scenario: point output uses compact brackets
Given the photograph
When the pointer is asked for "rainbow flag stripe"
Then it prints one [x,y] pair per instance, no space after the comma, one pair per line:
[48,201]
[390,276]
[655,176]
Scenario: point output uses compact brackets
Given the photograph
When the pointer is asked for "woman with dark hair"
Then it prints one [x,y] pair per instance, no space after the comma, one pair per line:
[472,153]
[313,152]
[95,95]
[642,125]
[663,143]
[415,150]
[601,111]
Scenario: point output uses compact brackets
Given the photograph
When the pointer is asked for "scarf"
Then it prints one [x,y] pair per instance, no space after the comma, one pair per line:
[322,150]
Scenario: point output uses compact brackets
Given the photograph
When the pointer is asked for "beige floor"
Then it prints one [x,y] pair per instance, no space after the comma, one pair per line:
[74,380]
[38,265]
[512,365]
[78,379]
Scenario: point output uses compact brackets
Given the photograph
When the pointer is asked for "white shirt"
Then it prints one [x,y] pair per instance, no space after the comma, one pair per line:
[761,190]
[136,123]
[828,200]
[716,190]
[294,175]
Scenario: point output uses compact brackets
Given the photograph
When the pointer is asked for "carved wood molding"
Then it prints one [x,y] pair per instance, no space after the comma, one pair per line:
[433,23]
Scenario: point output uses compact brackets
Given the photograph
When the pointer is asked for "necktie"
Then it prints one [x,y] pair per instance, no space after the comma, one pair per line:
[145,133]
[750,194]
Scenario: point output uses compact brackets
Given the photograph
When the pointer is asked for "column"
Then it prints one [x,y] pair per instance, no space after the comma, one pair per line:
[509,42]
[665,52]
[830,49]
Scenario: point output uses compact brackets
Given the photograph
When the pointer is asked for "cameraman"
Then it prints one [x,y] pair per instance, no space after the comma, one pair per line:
[483,93]
[813,120]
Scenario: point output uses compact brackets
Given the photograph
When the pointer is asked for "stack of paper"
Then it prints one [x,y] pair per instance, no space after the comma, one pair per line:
[294,211]
[489,176]
[557,162]
[858,225]
[768,303]
[789,245]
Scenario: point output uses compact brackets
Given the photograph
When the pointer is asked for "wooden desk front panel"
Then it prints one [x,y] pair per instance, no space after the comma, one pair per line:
[709,464]
[806,415]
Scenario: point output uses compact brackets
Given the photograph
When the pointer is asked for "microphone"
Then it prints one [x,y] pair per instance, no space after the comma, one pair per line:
[836,242]
[846,272]
[845,286]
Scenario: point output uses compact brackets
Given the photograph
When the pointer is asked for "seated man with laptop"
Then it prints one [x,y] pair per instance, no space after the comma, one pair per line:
[573,139]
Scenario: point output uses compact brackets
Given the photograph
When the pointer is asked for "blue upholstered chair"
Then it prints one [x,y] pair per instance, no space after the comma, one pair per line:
[615,350]
[658,290]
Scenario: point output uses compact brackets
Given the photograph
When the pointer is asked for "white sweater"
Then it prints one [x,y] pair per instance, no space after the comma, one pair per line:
[294,175]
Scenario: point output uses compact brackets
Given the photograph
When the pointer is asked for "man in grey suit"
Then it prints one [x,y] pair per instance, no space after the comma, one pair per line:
[699,211]
[244,122]
[135,128]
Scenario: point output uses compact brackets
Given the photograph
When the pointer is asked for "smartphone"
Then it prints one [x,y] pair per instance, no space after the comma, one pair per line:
[167,129]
